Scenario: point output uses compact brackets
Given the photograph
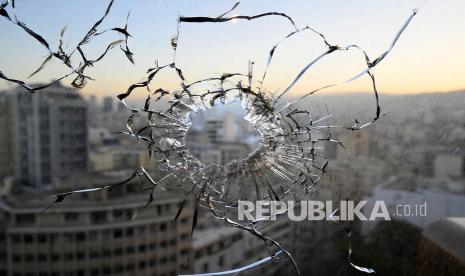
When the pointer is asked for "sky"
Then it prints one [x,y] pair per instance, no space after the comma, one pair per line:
[428,57]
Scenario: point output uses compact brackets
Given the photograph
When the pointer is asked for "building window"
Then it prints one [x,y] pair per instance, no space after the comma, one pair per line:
[25,219]
[94,254]
[80,255]
[117,214]
[142,264]
[141,229]
[185,252]
[28,238]
[130,267]
[16,238]
[221,261]
[80,236]
[117,233]
[69,236]
[42,238]
[71,217]
[106,253]
[69,256]
[130,249]
[29,258]
[119,269]
[16,258]
[98,217]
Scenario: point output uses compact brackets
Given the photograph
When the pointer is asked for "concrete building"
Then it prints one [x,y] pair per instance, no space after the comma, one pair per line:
[221,248]
[114,122]
[217,152]
[282,231]
[100,136]
[7,138]
[95,234]
[218,140]
[106,158]
[217,249]
[108,104]
[233,151]
[45,138]
[221,128]
[214,129]
[210,156]
[93,105]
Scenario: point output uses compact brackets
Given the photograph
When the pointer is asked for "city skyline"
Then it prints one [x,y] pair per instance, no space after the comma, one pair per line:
[418,64]
[103,238]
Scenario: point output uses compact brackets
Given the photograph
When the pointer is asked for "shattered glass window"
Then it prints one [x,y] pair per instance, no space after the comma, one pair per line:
[231,138]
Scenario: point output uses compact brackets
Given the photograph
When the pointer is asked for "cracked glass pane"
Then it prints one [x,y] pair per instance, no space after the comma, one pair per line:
[171,150]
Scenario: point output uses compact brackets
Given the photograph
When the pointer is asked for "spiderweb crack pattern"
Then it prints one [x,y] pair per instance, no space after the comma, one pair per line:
[290,161]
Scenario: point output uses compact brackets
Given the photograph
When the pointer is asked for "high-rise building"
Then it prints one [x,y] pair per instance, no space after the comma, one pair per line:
[108,104]
[44,137]
[219,139]
[108,158]
[221,128]
[95,234]
[7,138]
[92,105]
